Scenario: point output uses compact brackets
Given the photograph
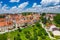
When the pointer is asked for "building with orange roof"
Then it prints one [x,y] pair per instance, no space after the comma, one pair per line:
[5,25]
[17,20]
[2,19]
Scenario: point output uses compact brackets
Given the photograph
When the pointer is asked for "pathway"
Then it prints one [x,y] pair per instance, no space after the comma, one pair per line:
[47,31]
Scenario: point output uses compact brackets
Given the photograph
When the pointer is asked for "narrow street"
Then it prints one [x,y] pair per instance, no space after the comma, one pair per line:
[8,31]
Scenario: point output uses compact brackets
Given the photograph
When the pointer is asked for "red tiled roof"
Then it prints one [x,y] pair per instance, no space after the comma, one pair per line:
[19,19]
[4,23]
[2,19]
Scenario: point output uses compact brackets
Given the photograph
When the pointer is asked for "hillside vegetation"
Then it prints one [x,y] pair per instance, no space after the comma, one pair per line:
[32,32]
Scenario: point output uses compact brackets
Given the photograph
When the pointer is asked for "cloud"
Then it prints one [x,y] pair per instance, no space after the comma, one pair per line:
[14,9]
[52,9]
[35,8]
[1,4]
[14,0]
[49,2]
[23,5]
[18,9]
[39,8]
[4,8]
[35,5]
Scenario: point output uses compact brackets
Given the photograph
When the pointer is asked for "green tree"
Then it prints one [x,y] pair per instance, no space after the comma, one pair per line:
[2,16]
[43,14]
[35,36]
[57,19]
[20,30]
[17,37]
[3,37]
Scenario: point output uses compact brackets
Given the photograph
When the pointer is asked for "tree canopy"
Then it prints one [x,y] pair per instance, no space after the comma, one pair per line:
[57,19]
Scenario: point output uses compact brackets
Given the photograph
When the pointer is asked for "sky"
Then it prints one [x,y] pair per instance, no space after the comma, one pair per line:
[18,6]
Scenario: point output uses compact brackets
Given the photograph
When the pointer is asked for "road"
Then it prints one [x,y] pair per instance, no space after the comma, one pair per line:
[46,31]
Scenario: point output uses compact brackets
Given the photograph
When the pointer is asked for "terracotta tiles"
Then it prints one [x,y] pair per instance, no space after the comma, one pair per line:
[19,19]
[4,23]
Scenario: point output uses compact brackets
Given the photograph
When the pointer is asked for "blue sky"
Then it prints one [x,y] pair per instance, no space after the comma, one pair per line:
[17,6]
[11,4]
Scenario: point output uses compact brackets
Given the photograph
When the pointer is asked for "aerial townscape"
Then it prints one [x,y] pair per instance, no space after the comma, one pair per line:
[30,26]
[14,21]
[29,19]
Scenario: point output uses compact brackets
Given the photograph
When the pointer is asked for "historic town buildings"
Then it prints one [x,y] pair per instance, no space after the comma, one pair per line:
[12,21]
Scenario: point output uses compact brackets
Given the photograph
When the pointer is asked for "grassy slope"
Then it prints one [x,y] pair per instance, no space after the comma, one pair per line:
[31,31]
